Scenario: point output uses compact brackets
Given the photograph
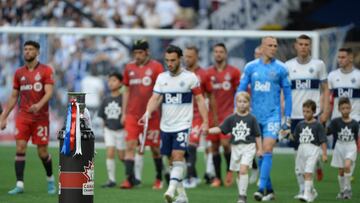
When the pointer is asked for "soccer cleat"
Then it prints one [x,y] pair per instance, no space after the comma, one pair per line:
[347,194]
[340,195]
[254,176]
[158,185]
[258,196]
[16,190]
[208,178]
[216,182]
[242,199]
[182,198]
[51,187]
[126,184]
[228,179]
[109,184]
[169,197]
[268,197]
[191,182]
[300,194]
[319,174]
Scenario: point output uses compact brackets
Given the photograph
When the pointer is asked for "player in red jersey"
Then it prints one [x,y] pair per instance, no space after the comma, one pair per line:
[191,62]
[33,87]
[139,79]
[225,79]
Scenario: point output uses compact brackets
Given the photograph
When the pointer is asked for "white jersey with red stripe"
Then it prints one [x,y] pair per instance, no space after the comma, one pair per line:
[343,84]
[177,103]
[306,80]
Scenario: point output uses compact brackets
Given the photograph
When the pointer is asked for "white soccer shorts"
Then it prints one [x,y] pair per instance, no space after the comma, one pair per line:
[114,138]
[242,154]
[306,158]
[343,151]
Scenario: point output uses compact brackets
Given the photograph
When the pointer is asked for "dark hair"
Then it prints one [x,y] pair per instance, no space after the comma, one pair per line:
[193,47]
[304,37]
[174,49]
[117,75]
[310,104]
[344,100]
[141,44]
[32,43]
[220,45]
[347,50]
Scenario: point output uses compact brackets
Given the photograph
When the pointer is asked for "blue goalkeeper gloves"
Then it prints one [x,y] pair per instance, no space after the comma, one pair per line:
[285,128]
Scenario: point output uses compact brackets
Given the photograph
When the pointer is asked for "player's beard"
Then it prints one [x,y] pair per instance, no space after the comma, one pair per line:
[29,59]
[175,70]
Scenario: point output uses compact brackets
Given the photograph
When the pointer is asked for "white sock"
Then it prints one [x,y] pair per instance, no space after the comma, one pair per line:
[341,180]
[138,166]
[51,178]
[308,185]
[300,181]
[176,176]
[210,165]
[110,166]
[20,184]
[243,184]
[347,181]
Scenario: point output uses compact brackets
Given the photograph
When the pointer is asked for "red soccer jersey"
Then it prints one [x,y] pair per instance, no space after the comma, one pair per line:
[206,87]
[224,84]
[30,85]
[140,81]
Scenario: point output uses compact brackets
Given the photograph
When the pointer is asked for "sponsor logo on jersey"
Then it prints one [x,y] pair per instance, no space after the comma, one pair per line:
[303,84]
[173,99]
[25,87]
[22,78]
[345,92]
[38,86]
[146,81]
[262,87]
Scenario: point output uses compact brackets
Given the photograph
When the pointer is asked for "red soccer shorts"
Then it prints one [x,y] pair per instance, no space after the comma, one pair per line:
[38,130]
[134,130]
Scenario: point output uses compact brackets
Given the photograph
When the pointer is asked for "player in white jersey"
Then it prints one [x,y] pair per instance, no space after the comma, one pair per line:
[174,91]
[308,81]
[345,82]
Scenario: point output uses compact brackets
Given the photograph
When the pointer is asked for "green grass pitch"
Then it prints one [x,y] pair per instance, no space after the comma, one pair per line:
[282,175]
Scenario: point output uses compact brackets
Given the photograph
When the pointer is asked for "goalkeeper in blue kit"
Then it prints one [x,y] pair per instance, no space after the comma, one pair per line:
[267,77]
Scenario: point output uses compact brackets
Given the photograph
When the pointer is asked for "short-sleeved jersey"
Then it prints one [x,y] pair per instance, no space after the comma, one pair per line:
[342,131]
[140,81]
[110,112]
[224,84]
[205,85]
[310,133]
[177,103]
[345,85]
[266,82]
[243,129]
[306,80]
[31,87]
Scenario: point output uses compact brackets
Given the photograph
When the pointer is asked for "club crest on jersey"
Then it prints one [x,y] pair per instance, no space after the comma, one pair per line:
[182,84]
[148,72]
[227,76]
[131,73]
[37,76]
[213,78]
[22,78]
[353,80]
[311,70]
[38,86]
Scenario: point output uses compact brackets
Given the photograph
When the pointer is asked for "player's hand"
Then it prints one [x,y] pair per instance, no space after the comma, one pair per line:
[259,153]
[122,119]
[324,158]
[285,128]
[143,118]
[34,108]
[3,123]
[204,129]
